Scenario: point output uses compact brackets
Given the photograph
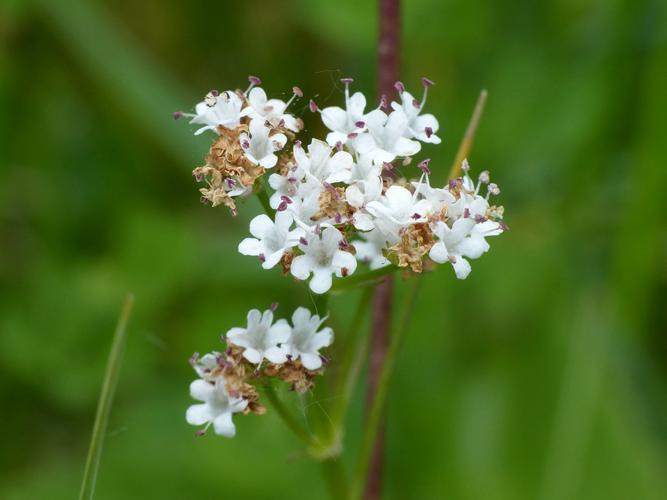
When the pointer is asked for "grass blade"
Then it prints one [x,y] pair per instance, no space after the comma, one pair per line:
[105,402]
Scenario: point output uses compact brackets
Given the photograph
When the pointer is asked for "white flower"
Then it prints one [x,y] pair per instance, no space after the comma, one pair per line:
[370,249]
[319,163]
[385,139]
[217,407]
[343,122]
[398,206]
[323,257]
[358,195]
[452,245]
[217,109]
[364,169]
[304,208]
[421,127]
[271,110]
[259,148]
[305,341]
[271,239]
[261,337]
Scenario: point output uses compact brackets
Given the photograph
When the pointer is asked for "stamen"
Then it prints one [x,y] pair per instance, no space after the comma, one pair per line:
[344,272]
[400,88]
[466,213]
[360,124]
[339,146]
[423,166]
[352,135]
[387,166]
[194,358]
[286,199]
[383,101]
[303,241]
[429,132]
[313,107]
[465,166]
[177,115]
[494,189]
[415,104]
[262,258]
[297,91]
[274,306]
[346,81]
[427,83]
[484,177]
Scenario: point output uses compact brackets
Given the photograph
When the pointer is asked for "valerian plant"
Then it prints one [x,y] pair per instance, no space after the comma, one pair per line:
[333,206]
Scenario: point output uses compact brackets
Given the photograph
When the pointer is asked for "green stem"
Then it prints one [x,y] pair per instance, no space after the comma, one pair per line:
[106,400]
[351,363]
[363,279]
[287,417]
[372,424]
[335,477]
[321,303]
[263,198]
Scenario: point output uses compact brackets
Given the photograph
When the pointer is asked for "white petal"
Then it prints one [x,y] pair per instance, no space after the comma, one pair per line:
[269,161]
[438,253]
[461,267]
[261,226]
[301,316]
[322,339]
[251,246]
[301,267]
[272,259]
[321,281]
[334,118]
[275,355]
[198,414]
[310,361]
[344,260]
[201,390]
[252,355]
[224,426]
[280,332]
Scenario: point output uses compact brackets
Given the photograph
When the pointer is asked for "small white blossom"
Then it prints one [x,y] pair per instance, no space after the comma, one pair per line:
[385,140]
[217,110]
[345,123]
[420,127]
[451,245]
[271,239]
[399,207]
[306,341]
[323,257]
[259,147]
[261,338]
[320,164]
[271,110]
[217,408]
[369,249]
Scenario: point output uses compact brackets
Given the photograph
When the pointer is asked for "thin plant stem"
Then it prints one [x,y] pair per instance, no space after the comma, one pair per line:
[468,138]
[372,425]
[106,400]
[263,198]
[389,40]
[335,477]
[287,417]
[349,369]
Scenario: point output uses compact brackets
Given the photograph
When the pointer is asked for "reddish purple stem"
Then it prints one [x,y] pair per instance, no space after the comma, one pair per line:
[388,75]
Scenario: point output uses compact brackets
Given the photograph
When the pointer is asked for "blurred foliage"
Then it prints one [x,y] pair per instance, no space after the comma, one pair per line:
[541,376]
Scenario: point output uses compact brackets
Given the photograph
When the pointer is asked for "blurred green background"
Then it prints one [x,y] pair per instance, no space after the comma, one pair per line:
[542,376]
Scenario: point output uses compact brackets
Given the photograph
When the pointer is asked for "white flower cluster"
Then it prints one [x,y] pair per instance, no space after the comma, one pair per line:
[263,348]
[344,200]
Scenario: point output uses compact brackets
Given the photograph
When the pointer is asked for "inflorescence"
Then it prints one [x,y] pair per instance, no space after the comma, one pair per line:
[330,205]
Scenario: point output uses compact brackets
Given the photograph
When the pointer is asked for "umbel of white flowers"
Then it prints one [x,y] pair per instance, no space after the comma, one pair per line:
[262,349]
[346,199]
